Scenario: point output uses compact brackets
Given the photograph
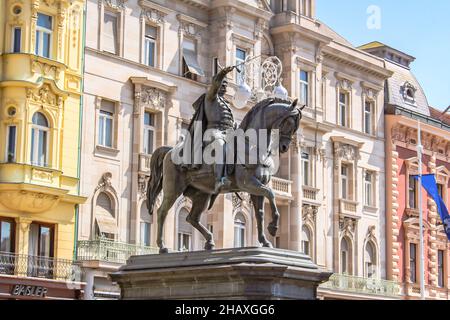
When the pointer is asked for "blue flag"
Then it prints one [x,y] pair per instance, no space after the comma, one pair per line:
[430,185]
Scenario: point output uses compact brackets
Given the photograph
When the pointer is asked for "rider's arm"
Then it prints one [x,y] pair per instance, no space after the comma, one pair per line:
[217,82]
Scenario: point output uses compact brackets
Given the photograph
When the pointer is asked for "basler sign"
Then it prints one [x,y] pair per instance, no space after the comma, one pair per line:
[29,291]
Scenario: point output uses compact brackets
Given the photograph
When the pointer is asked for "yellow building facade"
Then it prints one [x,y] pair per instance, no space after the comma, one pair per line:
[41,65]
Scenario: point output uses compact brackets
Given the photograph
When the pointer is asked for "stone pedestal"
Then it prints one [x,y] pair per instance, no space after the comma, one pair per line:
[241,273]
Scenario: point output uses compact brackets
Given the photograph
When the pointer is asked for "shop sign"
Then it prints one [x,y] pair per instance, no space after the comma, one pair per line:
[29,291]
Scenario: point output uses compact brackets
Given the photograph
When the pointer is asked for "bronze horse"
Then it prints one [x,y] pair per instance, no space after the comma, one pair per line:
[270,114]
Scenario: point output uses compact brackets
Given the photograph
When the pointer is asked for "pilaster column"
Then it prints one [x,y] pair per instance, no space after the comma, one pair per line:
[22,235]
[295,223]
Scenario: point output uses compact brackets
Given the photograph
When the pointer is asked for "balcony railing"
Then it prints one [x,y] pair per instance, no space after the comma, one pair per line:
[310,194]
[348,206]
[281,186]
[144,162]
[110,251]
[359,285]
[38,267]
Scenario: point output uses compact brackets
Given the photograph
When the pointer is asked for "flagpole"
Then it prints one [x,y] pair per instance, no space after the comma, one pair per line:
[421,249]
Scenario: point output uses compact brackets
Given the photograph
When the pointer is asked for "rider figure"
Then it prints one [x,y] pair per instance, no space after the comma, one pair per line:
[214,111]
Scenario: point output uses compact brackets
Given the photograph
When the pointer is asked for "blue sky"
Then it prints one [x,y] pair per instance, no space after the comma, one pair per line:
[416,27]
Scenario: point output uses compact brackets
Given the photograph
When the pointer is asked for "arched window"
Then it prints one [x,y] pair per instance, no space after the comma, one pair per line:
[39,140]
[105,223]
[306,241]
[345,257]
[239,230]
[369,260]
[146,221]
[184,231]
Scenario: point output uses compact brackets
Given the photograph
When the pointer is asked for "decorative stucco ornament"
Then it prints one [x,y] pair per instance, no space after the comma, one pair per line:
[243,94]
[280,92]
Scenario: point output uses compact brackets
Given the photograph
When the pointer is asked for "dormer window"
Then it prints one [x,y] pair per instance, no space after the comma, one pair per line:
[409,93]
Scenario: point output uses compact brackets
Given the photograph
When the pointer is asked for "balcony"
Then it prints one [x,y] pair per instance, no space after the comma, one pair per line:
[351,285]
[348,207]
[144,163]
[110,251]
[310,195]
[38,267]
[281,187]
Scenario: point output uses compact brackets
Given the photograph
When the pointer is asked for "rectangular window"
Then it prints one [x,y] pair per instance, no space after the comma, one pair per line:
[110,32]
[16,39]
[7,238]
[184,242]
[343,109]
[44,31]
[106,124]
[441,190]
[344,262]
[39,146]
[241,54]
[344,181]
[412,192]
[368,116]
[41,250]
[304,87]
[11,144]
[306,168]
[305,247]
[368,189]
[441,273]
[149,133]
[145,234]
[190,66]
[412,262]
[151,34]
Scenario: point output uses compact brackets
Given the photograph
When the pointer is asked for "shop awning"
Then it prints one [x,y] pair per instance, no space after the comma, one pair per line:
[190,57]
[106,223]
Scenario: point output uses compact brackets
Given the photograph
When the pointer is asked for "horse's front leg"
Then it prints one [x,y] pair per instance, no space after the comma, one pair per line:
[255,187]
[258,204]
[200,203]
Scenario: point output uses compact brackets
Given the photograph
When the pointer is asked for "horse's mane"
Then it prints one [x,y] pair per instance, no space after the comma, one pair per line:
[258,107]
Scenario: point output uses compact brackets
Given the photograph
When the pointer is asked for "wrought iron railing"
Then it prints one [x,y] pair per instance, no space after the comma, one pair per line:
[39,267]
[360,285]
[110,251]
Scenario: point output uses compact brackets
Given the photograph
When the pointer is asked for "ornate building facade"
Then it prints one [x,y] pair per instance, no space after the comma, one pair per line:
[41,66]
[148,61]
[406,104]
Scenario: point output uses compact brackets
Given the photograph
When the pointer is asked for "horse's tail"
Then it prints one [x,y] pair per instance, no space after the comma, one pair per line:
[156,174]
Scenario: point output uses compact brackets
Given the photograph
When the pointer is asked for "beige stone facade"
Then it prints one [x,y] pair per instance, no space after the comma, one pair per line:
[329,187]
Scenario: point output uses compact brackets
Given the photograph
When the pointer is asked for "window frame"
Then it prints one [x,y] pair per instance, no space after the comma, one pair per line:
[371,185]
[13,39]
[347,182]
[118,16]
[370,116]
[344,105]
[308,163]
[185,73]
[304,85]
[412,262]
[155,45]
[12,235]
[40,39]
[181,237]
[241,228]
[148,128]
[239,76]
[441,272]
[35,130]
[7,151]
[415,190]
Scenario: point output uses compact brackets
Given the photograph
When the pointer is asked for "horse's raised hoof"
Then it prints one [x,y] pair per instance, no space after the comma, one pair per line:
[267,244]
[163,250]
[273,229]
[209,246]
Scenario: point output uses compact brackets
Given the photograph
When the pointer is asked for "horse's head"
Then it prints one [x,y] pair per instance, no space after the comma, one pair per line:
[275,114]
[288,124]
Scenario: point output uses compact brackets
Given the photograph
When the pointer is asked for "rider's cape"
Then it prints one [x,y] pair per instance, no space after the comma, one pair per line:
[199,116]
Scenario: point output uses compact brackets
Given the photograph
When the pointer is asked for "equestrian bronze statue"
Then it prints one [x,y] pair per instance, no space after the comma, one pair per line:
[203,181]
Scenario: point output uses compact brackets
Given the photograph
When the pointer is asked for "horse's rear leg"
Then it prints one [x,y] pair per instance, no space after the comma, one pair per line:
[167,203]
[200,203]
